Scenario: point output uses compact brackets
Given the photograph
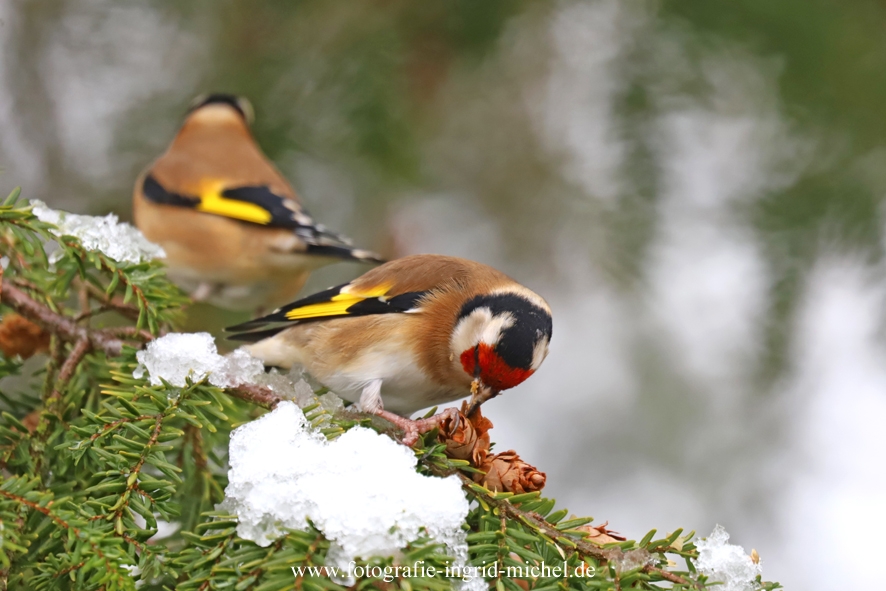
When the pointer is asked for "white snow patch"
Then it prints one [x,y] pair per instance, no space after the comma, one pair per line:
[120,241]
[237,367]
[132,569]
[726,562]
[292,386]
[177,356]
[361,490]
[164,528]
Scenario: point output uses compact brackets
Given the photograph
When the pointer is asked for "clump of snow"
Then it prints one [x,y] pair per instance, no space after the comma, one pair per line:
[331,403]
[726,563]
[132,569]
[361,490]
[291,386]
[120,241]
[177,356]
[237,367]
[632,559]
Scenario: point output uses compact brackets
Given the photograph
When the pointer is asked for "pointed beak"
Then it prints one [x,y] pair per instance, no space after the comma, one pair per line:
[480,393]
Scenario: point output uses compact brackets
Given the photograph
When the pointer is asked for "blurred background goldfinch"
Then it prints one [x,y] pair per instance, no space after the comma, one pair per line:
[234,231]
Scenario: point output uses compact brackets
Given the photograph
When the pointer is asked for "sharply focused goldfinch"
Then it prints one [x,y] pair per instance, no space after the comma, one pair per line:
[415,332]
[232,227]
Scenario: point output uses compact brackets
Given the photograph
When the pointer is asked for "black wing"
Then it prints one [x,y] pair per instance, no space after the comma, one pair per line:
[330,303]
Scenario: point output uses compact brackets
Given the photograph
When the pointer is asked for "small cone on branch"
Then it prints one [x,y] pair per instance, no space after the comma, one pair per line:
[469,439]
[507,472]
[19,336]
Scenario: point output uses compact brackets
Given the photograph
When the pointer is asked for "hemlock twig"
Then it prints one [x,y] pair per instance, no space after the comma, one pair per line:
[65,328]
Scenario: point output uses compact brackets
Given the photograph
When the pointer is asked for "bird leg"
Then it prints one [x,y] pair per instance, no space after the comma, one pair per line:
[370,402]
[370,398]
[412,429]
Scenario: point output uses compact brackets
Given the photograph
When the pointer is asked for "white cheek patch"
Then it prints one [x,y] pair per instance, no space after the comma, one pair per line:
[539,352]
[493,329]
[468,330]
[479,326]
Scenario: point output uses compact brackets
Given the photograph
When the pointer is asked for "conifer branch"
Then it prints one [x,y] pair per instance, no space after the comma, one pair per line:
[567,543]
[62,326]
[128,333]
[258,395]
[268,399]
[114,424]
[113,270]
[193,434]
[111,303]
[132,479]
[64,525]
[132,453]
[81,348]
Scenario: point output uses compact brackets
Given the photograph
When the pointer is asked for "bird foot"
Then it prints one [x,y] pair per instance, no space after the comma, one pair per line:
[413,429]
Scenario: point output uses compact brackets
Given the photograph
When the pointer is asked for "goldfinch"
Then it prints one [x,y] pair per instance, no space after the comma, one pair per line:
[415,332]
[234,231]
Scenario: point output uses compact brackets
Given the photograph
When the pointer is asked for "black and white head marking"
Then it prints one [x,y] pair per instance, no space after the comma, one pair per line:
[517,324]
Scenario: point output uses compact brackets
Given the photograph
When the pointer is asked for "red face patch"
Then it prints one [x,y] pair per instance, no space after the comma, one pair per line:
[494,372]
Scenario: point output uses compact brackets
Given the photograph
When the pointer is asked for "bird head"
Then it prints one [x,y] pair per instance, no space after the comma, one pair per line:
[500,339]
[220,106]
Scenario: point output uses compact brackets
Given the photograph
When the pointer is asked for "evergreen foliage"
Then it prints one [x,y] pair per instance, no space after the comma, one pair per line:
[97,464]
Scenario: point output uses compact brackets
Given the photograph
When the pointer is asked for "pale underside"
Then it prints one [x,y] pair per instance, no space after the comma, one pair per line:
[327,351]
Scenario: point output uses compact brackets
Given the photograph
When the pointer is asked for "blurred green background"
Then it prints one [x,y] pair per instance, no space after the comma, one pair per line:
[697,188]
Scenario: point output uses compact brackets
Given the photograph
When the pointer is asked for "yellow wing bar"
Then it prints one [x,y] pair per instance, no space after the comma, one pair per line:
[212,201]
[338,304]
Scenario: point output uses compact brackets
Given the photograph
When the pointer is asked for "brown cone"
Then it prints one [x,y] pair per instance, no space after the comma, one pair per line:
[508,473]
[469,440]
[19,336]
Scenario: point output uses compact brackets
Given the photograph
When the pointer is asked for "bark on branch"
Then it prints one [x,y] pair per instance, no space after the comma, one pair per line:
[567,543]
[65,328]
[257,395]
